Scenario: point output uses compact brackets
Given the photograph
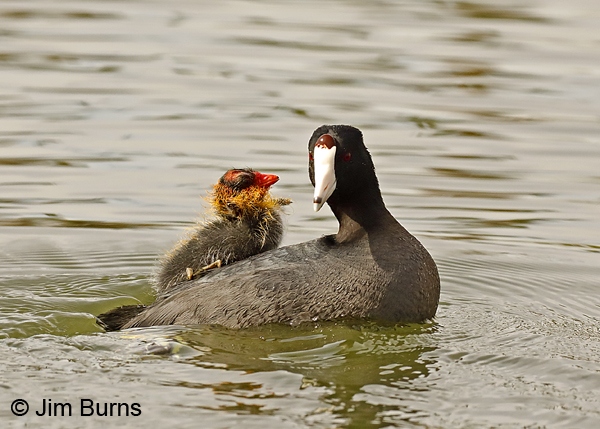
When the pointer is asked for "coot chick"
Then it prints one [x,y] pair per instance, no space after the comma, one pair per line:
[372,268]
[248,222]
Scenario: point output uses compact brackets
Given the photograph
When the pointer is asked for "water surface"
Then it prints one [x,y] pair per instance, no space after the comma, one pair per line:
[483,120]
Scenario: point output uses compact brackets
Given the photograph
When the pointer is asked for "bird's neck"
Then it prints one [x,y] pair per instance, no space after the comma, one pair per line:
[361,217]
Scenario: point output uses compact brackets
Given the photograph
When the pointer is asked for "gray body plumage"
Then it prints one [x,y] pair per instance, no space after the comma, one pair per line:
[317,280]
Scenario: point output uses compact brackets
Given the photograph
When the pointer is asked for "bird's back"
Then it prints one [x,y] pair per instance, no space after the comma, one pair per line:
[223,240]
[316,280]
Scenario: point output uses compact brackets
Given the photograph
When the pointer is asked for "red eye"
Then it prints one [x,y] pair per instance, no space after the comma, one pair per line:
[310,156]
[347,157]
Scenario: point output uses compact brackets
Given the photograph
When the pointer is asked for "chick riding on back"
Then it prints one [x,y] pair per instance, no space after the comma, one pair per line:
[248,221]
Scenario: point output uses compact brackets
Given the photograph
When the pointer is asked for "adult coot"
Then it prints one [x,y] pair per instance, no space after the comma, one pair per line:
[372,268]
[248,222]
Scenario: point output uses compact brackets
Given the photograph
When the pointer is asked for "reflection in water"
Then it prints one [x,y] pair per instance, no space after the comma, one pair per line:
[483,11]
[53,221]
[75,162]
[471,174]
[62,15]
[348,361]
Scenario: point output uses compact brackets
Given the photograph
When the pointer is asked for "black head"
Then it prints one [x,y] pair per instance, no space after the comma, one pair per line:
[354,169]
